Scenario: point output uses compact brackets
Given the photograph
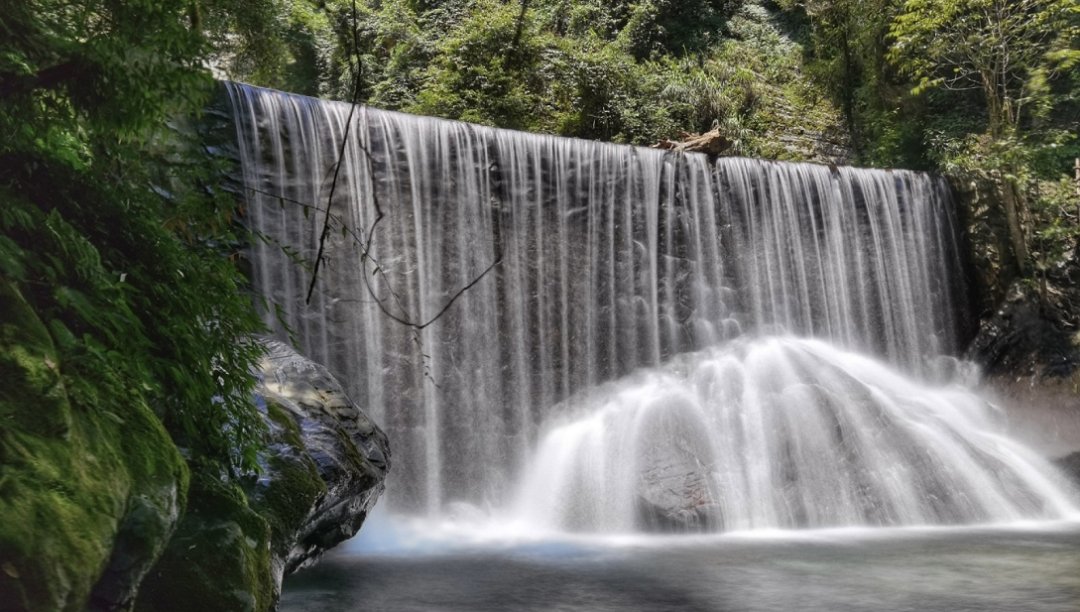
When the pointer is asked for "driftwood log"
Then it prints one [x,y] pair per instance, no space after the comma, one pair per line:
[710,143]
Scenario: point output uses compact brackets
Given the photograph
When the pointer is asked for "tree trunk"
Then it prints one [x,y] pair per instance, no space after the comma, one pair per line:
[1013,203]
[1077,168]
[851,78]
[520,24]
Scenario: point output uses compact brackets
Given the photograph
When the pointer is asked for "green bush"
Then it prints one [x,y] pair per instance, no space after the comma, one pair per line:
[111,228]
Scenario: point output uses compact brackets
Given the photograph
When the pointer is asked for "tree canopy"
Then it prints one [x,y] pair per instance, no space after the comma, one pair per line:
[1012,56]
[112,229]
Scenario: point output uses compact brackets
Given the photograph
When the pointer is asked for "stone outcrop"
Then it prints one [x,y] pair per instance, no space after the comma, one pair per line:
[317,436]
[321,472]
[1024,339]
[1031,365]
[91,487]
[674,488]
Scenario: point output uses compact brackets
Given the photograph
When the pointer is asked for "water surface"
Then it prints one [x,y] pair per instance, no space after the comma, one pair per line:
[1033,568]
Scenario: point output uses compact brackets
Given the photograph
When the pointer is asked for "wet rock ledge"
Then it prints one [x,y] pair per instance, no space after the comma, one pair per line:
[322,471]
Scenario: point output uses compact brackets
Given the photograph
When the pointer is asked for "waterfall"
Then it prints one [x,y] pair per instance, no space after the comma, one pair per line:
[780,433]
[583,262]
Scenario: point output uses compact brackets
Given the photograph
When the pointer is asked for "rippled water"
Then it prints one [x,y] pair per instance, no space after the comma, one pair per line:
[1030,568]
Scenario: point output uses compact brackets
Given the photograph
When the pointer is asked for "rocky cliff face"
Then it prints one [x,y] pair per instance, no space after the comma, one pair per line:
[90,488]
[321,472]
[1026,332]
[1025,337]
[1023,328]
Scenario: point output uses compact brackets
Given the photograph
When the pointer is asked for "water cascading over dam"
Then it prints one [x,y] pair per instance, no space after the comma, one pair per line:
[552,266]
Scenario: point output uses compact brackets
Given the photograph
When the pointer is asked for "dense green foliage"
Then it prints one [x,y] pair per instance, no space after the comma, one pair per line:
[624,71]
[1011,55]
[110,228]
[125,342]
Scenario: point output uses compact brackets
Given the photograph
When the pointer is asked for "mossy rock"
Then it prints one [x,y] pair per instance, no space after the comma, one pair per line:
[89,493]
[218,559]
[290,486]
[227,552]
[322,468]
[324,463]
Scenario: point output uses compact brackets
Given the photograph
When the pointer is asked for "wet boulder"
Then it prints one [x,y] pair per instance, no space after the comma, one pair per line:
[324,450]
[322,471]
[675,490]
[1070,464]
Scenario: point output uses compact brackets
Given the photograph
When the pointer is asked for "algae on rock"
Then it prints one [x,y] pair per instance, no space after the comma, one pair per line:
[321,471]
[219,558]
[90,487]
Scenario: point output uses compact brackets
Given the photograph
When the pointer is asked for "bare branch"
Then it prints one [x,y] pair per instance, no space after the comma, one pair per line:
[446,306]
[357,73]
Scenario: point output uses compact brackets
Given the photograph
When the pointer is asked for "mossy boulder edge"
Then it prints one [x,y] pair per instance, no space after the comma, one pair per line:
[90,489]
[322,470]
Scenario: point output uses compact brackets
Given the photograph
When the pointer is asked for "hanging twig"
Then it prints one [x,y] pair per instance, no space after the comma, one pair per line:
[365,241]
[357,67]
[446,306]
[366,256]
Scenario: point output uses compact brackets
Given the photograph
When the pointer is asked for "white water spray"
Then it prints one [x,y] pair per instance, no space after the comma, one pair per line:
[781,433]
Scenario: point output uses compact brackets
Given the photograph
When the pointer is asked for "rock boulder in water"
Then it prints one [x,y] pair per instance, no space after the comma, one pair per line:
[1071,466]
[675,489]
[317,434]
[322,471]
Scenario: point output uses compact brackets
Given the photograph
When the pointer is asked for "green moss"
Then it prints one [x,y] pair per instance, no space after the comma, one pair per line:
[229,537]
[28,367]
[289,431]
[218,559]
[294,486]
[69,471]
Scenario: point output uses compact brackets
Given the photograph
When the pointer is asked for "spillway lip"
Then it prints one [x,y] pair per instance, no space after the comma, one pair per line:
[780,435]
[638,149]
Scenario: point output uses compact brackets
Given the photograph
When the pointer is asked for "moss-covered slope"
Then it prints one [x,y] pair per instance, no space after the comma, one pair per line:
[88,493]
